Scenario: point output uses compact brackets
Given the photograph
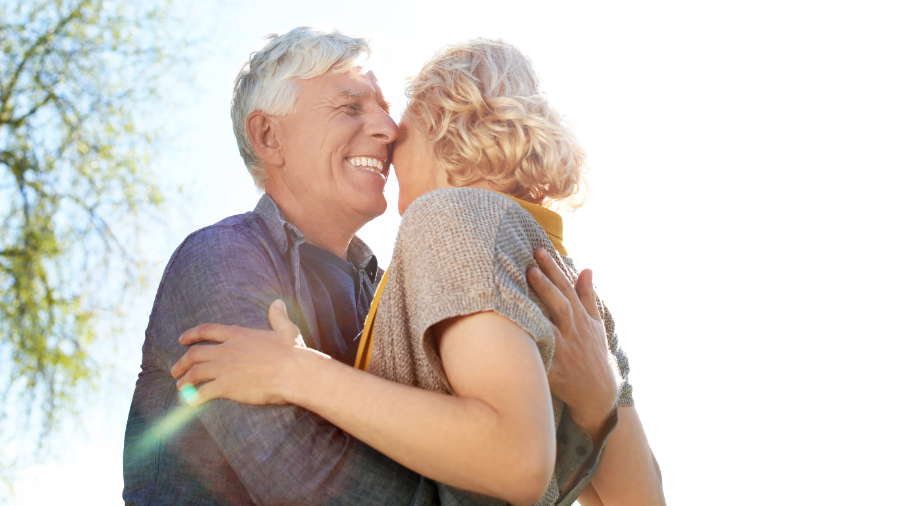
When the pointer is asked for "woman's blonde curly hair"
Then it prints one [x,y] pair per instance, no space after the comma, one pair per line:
[480,104]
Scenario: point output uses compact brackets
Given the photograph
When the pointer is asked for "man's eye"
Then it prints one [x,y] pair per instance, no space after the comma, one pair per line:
[353,108]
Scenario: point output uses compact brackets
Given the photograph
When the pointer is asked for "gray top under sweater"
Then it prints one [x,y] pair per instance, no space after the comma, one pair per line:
[460,251]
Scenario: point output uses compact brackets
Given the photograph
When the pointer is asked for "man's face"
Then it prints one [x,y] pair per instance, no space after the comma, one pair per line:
[336,145]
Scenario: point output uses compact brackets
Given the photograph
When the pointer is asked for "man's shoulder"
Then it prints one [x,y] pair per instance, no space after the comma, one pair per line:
[236,230]
[231,234]
[226,273]
[236,242]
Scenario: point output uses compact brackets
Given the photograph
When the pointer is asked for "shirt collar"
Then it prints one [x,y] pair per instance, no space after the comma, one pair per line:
[359,254]
[287,236]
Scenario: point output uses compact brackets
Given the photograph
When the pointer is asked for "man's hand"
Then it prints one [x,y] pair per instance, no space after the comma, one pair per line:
[581,373]
[248,366]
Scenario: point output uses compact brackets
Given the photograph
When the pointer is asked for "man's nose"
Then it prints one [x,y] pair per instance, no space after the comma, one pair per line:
[382,127]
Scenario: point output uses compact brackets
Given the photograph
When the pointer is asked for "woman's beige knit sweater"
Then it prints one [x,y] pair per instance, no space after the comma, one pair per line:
[461,251]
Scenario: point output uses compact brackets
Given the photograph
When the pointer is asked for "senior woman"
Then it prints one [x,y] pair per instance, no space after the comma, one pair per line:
[479,157]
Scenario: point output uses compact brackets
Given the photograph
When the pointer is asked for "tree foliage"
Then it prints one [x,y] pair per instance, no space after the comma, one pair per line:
[79,80]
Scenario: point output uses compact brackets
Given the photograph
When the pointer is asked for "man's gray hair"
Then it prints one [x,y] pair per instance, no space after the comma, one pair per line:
[266,81]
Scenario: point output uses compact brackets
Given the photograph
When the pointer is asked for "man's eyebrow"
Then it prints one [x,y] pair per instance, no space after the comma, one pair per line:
[379,97]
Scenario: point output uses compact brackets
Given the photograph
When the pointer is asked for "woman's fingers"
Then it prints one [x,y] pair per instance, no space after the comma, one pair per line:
[199,374]
[584,287]
[281,323]
[195,355]
[207,332]
[206,392]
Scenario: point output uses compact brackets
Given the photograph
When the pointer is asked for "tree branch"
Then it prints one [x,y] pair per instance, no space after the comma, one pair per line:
[5,108]
[16,123]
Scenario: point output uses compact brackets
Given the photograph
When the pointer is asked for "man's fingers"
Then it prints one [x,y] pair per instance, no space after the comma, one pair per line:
[206,332]
[584,287]
[551,270]
[558,339]
[195,355]
[559,306]
[556,364]
[556,275]
[280,322]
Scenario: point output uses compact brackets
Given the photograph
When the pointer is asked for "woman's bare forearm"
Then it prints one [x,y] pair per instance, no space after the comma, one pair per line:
[479,444]
[628,474]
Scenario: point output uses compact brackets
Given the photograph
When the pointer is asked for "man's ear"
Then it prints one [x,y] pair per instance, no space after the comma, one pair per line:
[263,133]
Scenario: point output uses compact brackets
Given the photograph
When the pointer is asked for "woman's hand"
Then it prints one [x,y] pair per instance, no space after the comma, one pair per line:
[581,373]
[248,366]
[494,437]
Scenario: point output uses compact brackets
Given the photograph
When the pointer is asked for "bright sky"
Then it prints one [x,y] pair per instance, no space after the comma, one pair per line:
[743,226]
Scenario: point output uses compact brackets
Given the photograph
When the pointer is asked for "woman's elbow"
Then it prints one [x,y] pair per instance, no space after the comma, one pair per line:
[529,491]
[656,467]
[529,474]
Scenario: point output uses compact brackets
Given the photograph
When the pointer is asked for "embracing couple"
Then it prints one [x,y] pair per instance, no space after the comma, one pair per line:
[283,365]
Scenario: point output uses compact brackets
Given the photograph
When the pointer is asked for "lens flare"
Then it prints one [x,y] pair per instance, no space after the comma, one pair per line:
[188,393]
[169,425]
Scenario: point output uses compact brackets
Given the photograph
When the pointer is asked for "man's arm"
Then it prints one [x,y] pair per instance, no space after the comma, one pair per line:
[628,473]
[282,454]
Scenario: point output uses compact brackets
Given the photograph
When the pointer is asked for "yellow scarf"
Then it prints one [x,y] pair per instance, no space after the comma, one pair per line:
[364,352]
[550,221]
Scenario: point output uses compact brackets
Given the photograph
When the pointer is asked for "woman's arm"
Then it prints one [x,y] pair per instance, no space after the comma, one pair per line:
[496,436]
[628,473]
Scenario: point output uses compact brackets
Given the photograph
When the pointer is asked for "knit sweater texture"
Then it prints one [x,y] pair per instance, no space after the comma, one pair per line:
[461,251]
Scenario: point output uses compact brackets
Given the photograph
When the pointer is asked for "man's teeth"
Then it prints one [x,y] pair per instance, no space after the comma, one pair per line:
[370,164]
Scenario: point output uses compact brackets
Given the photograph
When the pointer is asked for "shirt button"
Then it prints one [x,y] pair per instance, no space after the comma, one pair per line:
[581,451]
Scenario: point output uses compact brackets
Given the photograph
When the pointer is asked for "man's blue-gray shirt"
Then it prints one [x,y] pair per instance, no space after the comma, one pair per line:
[341,294]
[225,452]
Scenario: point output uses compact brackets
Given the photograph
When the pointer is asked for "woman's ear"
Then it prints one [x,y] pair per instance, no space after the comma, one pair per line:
[263,132]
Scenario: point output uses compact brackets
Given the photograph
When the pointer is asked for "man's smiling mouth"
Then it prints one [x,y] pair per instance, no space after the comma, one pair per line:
[370,164]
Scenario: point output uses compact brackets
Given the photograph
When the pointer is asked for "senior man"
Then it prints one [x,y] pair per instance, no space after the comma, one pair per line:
[315,135]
